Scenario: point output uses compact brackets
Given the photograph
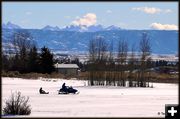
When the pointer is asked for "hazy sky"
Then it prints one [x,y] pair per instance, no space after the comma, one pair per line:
[129,15]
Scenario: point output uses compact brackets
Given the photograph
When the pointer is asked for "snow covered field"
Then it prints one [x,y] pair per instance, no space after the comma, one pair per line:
[93,101]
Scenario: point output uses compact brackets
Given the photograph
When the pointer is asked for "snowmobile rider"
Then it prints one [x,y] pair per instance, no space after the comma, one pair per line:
[64,88]
[41,91]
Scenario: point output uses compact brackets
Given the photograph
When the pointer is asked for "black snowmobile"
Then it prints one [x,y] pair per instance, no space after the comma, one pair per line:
[68,90]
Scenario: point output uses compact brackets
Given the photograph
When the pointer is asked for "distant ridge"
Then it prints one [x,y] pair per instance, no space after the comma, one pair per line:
[76,38]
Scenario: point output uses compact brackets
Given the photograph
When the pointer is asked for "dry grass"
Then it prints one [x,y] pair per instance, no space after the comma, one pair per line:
[154,77]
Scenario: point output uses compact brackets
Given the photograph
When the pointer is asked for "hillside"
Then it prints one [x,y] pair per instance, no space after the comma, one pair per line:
[162,41]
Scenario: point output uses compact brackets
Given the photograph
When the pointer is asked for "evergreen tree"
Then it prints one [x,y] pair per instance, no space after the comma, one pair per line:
[46,61]
[5,62]
[33,60]
[15,63]
[23,60]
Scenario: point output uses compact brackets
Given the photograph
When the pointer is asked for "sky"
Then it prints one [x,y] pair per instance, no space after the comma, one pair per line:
[127,15]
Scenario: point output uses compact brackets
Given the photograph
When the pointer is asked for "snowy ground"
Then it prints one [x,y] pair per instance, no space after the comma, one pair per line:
[93,101]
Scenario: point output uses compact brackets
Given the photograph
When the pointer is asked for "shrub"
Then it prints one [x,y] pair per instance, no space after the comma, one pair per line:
[17,105]
[16,73]
[10,73]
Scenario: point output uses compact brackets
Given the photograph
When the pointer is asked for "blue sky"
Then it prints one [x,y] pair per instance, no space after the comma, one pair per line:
[128,15]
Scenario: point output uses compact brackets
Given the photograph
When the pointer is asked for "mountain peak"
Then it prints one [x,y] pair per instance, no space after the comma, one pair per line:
[10,25]
[51,28]
[112,27]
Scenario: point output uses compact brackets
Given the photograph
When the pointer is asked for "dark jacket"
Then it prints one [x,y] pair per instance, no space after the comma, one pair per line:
[41,91]
[64,88]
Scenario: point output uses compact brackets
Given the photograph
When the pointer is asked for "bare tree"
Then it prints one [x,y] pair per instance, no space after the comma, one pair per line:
[98,57]
[122,51]
[132,61]
[111,49]
[122,57]
[97,49]
[145,49]
[101,46]
[22,42]
[111,67]
[92,50]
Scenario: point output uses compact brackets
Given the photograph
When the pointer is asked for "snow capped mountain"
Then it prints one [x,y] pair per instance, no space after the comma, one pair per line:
[51,28]
[10,25]
[80,28]
[112,27]
[83,28]
[72,28]
[95,28]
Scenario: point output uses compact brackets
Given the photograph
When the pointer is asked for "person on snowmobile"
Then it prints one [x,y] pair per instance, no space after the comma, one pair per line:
[64,87]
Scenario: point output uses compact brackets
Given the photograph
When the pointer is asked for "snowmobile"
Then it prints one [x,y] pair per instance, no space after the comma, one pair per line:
[68,90]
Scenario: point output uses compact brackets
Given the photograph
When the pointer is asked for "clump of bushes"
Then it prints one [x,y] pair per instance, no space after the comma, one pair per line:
[10,74]
[17,105]
[32,75]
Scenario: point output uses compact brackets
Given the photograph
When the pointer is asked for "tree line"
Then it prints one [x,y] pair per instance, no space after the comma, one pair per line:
[24,57]
[104,69]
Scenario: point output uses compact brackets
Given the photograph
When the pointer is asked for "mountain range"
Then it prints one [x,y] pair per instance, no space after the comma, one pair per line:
[82,28]
[76,38]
